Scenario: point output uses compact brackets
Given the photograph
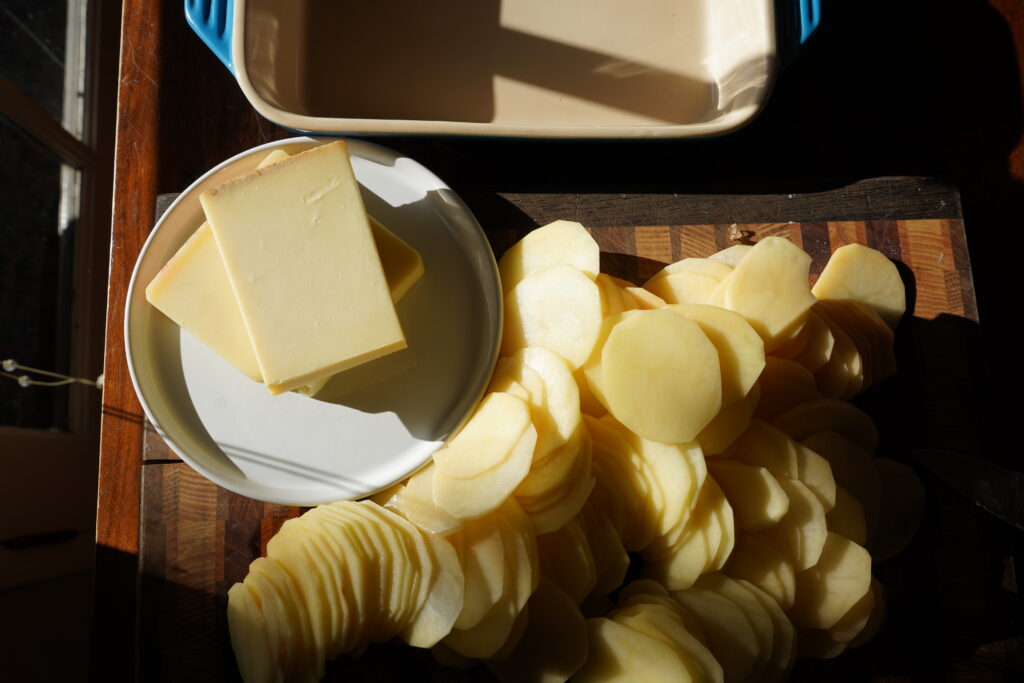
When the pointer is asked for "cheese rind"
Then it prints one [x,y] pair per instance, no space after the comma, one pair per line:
[298,250]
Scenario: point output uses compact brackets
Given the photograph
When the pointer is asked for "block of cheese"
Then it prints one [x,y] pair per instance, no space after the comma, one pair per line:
[299,253]
[193,290]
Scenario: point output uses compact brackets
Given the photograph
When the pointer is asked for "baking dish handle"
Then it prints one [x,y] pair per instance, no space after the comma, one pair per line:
[795,22]
[212,21]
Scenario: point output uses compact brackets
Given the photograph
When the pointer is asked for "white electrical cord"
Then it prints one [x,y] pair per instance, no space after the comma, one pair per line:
[10,366]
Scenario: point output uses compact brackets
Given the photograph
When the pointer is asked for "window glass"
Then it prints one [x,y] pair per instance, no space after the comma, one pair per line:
[32,50]
[35,281]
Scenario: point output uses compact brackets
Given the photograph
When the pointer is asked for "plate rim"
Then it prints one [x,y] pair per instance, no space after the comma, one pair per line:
[494,297]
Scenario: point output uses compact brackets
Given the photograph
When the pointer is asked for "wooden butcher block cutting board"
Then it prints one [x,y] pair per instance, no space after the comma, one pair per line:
[198,539]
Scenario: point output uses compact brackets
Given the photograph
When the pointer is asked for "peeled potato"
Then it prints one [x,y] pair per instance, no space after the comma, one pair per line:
[827,591]
[660,376]
[487,439]
[684,287]
[553,646]
[769,288]
[732,255]
[475,497]
[557,308]
[557,243]
[757,499]
[756,559]
[902,508]
[857,272]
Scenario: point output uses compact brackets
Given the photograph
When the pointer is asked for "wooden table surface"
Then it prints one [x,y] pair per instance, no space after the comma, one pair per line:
[925,89]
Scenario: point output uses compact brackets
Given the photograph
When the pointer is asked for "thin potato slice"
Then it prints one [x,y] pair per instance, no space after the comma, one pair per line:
[830,415]
[740,349]
[902,511]
[802,532]
[847,518]
[481,551]
[770,289]
[714,268]
[557,243]
[827,591]
[561,402]
[644,299]
[415,501]
[755,612]
[619,653]
[757,499]
[666,624]
[660,375]
[765,445]
[784,384]
[730,423]
[857,272]
[820,343]
[731,636]
[487,439]
[566,559]
[684,287]
[471,498]
[814,472]
[854,469]
[757,560]
[783,636]
[732,255]
[553,646]
[558,308]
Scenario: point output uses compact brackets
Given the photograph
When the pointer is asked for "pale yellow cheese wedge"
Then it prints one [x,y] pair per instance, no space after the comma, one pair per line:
[194,291]
[855,271]
[313,297]
[557,243]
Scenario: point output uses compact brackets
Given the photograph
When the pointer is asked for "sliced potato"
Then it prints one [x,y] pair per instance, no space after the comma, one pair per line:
[553,646]
[730,423]
[770,289]
[847,518]
[765,445]
[557,243]
[660,376]
[558,308]
[740,349]
[827,591]
[566,559]
[757,560]
[731,636]
[732,255]
[784,384]
[757,499]
[471,498]
[802,532]
[854,469]
[487,439]
[903,499]
[829,415]
[857,272]
[619,653]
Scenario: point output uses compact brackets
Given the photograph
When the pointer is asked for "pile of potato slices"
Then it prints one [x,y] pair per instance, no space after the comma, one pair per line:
[661,483]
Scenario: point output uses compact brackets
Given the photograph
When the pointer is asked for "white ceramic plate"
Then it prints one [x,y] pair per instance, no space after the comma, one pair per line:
[387,417]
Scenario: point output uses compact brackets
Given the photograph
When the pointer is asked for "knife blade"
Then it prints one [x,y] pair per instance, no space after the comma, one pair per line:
[995,489]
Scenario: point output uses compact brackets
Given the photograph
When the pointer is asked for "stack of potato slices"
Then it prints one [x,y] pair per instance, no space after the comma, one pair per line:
[693,432]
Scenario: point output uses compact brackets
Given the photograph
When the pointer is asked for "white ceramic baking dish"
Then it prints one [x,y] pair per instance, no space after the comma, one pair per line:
[509,68]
